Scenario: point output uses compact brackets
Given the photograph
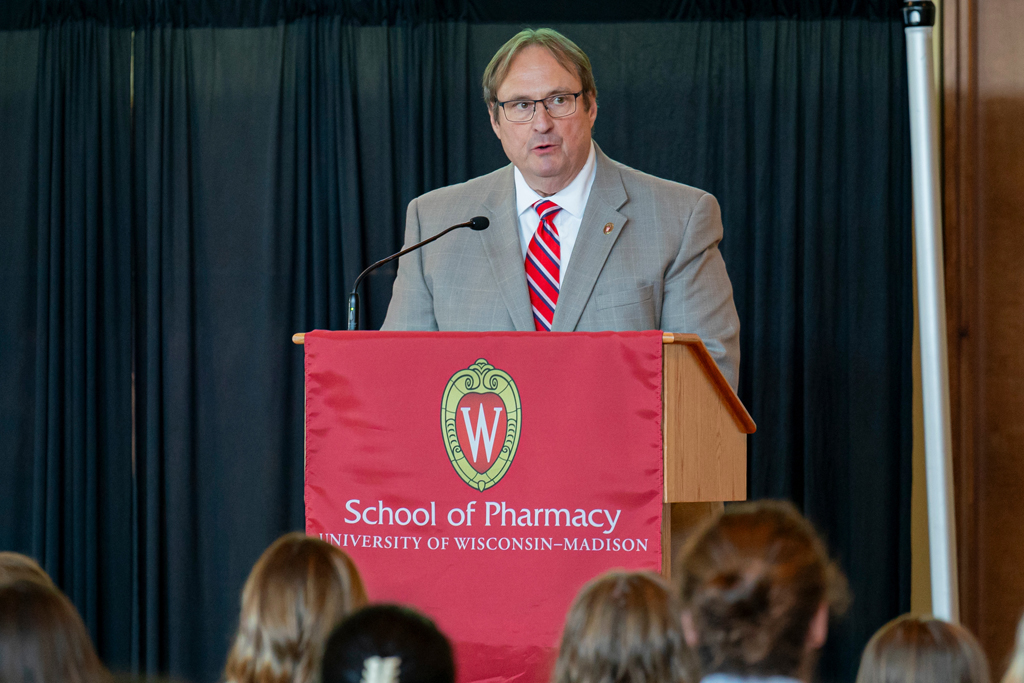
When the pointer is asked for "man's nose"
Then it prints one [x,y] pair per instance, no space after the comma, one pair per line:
[542,121]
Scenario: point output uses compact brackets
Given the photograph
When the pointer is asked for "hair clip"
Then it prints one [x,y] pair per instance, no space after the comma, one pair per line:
[380,669]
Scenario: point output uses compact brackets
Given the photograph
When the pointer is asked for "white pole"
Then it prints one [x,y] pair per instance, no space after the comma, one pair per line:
[918,20]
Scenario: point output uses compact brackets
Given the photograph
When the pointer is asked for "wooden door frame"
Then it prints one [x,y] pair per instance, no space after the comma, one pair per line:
[960,194]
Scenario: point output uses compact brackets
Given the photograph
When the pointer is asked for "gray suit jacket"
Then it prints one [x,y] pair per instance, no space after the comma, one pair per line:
[658,268]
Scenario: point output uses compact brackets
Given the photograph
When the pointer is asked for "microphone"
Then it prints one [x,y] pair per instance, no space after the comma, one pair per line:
[475,223]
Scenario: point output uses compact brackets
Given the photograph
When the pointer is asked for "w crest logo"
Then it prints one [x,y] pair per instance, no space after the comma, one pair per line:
[481,432]
[480,416]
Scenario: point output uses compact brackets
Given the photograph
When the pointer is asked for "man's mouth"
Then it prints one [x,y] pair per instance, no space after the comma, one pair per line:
[544,147]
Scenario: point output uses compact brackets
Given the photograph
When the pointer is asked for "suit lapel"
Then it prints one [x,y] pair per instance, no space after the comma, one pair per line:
[504,251]
[593,244]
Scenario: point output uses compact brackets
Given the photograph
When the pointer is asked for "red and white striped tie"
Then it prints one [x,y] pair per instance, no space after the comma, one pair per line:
[543,266]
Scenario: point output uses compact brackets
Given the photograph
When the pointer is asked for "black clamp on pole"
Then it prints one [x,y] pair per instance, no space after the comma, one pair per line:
[918,13]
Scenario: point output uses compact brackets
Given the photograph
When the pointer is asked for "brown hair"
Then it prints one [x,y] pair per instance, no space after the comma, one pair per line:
[752,579]
[18,567]
[298,590]
[624,627]
[1015,674]
[922,650]
[566,52]
[42,638]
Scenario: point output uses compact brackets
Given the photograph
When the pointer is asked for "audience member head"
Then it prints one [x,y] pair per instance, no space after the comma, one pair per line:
[42,638]
[1015,674]
[624,627]
[18,567]
[387,644]
[922,650]
[298,590]
[757,590]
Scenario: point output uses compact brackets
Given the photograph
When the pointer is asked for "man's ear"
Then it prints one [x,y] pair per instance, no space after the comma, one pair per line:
[690,630]
[818,631]
[592,109]
[491,111]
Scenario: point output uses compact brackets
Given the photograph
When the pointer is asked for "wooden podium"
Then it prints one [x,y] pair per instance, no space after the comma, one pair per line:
[704,427]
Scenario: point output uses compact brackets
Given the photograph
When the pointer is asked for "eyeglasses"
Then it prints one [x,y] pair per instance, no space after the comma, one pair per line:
[557,106]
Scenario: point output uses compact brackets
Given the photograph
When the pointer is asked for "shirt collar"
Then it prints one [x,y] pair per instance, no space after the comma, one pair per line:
[571,198]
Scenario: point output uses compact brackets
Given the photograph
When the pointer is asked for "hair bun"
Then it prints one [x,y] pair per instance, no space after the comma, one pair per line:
[737,595]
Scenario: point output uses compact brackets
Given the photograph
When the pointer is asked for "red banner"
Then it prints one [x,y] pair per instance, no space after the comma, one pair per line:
[484,477]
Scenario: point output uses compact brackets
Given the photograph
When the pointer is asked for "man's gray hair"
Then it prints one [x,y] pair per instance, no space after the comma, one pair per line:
[566,52]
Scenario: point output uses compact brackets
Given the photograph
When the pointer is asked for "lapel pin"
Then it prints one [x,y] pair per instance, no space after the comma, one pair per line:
[608,227]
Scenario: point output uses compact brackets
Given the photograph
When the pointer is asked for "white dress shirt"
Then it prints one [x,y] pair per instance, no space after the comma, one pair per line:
[573,200]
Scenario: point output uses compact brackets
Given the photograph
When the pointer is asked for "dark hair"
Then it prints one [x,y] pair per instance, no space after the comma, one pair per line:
[624,626]
[42,638]
[299,589]
[388,631]
[752,580]
[922,650]
[18,567]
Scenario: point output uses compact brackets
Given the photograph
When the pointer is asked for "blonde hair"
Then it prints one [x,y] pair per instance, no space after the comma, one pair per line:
[922,650]
[624,627]
[753,579]
[565,52]
[298,590]
[18,567]
[1015,674]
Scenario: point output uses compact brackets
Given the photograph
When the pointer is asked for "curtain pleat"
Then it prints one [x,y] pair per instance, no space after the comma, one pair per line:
[66,309]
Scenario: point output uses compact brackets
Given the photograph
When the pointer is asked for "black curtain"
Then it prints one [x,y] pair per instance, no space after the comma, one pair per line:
[271,165]
[268,155]
[65,314]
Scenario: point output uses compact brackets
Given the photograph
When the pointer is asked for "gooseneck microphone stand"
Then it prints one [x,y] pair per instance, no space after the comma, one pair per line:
[476,223]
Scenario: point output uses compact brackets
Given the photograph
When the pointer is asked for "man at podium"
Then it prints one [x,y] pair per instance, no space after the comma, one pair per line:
[577,241]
